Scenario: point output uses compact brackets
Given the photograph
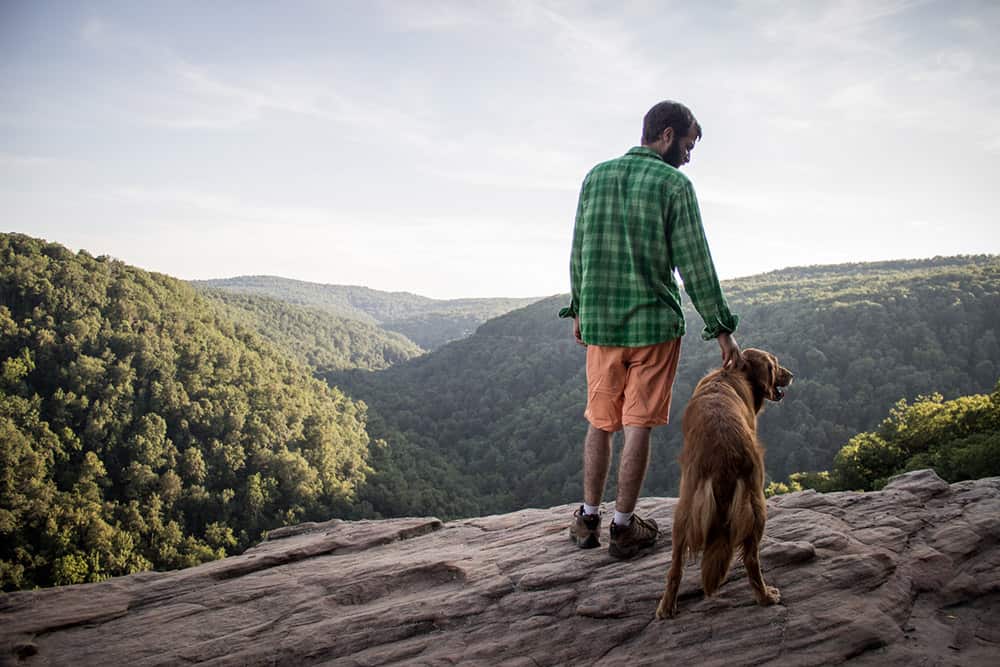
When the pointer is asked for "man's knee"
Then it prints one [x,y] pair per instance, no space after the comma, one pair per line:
[598,431]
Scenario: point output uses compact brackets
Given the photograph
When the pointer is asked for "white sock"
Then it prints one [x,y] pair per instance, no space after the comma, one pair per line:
[591,509]
[622,519]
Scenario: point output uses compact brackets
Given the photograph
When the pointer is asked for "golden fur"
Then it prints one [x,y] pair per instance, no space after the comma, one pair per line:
[721,508]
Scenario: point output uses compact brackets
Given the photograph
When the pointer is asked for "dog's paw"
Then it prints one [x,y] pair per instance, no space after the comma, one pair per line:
[771,596]
[664,610]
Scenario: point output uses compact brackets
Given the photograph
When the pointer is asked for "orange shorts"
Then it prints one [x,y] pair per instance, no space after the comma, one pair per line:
[630,386]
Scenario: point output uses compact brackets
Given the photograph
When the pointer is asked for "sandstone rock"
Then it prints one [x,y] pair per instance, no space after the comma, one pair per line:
[907,575]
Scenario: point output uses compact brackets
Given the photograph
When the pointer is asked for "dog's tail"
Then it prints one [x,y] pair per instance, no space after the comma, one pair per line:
[701,516]
[719,550]
[741,513]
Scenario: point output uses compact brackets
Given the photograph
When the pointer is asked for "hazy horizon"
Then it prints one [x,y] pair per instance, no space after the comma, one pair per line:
[545,296]
[437,148]
[96,253]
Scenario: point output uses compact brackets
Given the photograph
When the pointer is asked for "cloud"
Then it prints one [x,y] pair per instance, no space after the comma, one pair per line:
[971,24]
[791,123]
[943,66]
[588,45]
[593,46]
[841,23]
[523,166]
[92,31]
[858,14]
[19,161]
[431,16]
[860,99]
[183,204]
[174,92]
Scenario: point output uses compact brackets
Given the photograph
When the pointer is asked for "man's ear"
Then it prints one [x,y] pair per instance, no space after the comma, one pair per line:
[668,136]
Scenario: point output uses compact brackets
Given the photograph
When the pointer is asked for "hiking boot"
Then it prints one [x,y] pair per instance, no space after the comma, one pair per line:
[638,534]
[584,529]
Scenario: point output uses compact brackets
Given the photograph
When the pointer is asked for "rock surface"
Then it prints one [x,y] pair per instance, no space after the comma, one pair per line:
[908,575]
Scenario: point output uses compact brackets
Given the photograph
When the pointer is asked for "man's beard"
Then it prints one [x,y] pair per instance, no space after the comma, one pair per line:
[674,155]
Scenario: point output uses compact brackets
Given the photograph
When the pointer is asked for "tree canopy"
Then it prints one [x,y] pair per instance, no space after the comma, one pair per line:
[320,340]
[142,426]
[959,439]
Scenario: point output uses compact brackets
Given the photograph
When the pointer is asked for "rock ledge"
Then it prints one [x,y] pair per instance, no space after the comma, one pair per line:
[908,575]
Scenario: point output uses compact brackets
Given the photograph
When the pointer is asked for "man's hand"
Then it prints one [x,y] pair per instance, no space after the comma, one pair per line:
[731,355]
[576,331]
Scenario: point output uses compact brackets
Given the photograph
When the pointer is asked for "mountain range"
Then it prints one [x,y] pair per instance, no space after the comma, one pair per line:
[151,423]
[428,322]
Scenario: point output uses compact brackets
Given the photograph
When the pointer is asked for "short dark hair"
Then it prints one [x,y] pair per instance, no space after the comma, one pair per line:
[667,114]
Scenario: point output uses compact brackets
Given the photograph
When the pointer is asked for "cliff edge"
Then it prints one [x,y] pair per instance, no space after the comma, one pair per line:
[908,575]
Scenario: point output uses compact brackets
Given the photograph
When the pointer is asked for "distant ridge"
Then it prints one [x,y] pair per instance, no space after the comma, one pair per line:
[320,339]
[820,270]
[428,322]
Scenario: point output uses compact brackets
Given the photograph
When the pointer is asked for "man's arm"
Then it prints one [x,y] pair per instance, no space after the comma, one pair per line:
[690,254]
[576,331]
[731,354]
[576,271]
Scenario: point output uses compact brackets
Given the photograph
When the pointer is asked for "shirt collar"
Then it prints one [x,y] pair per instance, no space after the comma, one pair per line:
[644,151]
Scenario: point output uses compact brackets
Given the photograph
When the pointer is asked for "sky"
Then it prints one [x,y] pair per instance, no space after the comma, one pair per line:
[438,147]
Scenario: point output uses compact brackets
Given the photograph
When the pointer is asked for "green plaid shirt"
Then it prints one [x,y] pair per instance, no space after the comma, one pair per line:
[637,221]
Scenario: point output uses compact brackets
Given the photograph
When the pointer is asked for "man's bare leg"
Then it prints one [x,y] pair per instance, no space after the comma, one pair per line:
[596,464]
[632,469]
[631,533]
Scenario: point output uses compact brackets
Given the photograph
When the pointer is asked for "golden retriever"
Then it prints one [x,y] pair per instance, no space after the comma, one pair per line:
[721,507]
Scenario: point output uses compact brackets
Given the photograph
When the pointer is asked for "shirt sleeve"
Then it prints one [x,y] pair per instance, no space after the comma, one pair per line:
[576,261]
[692,258]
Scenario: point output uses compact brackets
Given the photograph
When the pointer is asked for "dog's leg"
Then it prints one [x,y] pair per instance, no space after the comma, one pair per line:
[668,603]
[766,595]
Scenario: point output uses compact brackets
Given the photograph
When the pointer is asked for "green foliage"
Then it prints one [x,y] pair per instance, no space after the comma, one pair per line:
[500,413]
[430,323]
[319,339]
[778,488]
[959,439]
[867,461]
[144,426]
[475,419]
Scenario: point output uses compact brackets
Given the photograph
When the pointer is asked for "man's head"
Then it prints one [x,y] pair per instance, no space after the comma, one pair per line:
[670,129]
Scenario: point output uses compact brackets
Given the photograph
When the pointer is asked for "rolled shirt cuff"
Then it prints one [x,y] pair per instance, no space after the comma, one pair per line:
[721,323]
[568,311]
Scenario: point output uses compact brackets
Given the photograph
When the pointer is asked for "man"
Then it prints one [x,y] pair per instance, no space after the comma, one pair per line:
[637,221]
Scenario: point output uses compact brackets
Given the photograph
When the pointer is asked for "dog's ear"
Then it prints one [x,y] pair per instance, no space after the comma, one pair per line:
[742,365]
[772,375]
[759,369]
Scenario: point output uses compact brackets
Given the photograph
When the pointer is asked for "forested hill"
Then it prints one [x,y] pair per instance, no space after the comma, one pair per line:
[142,426]
[494,422]
[317,338]
[146,423]
[429,323]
